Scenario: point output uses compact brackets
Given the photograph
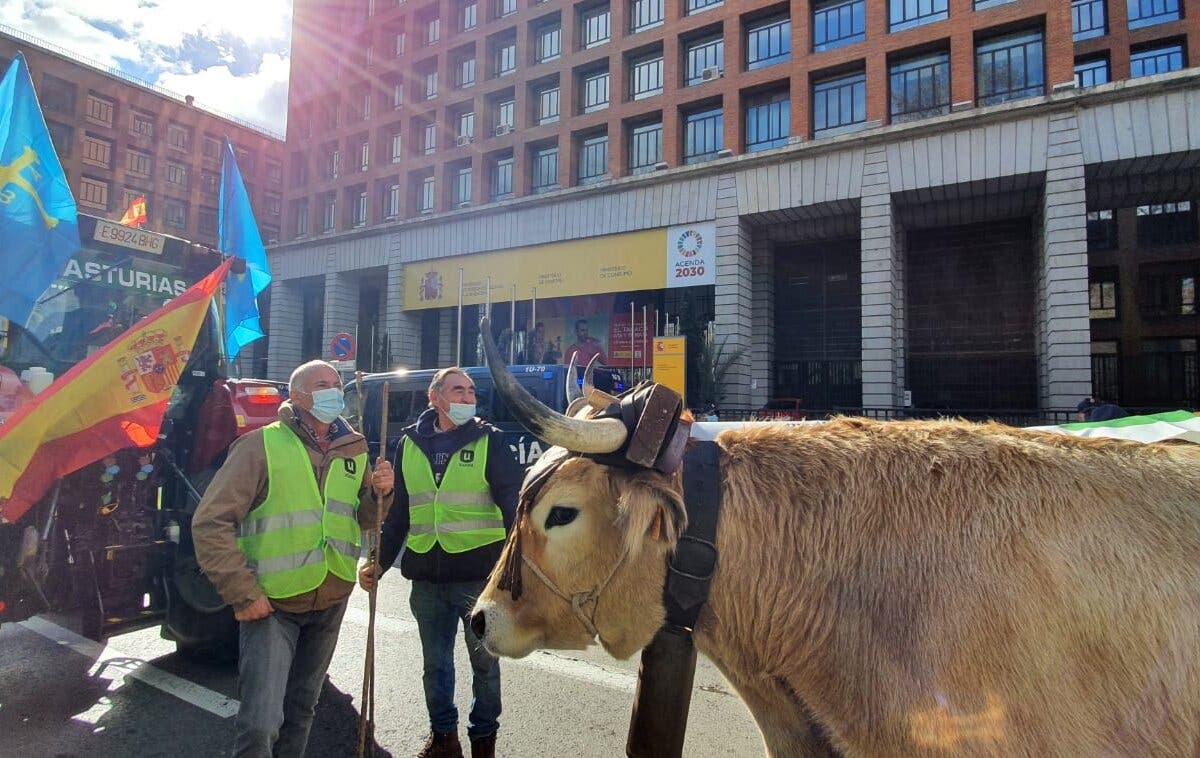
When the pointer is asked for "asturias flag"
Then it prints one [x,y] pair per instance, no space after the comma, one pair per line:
[239,237]
[115,399]
[39,226]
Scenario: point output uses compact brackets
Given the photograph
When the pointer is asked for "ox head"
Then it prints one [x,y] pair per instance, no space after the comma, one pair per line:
[586,559]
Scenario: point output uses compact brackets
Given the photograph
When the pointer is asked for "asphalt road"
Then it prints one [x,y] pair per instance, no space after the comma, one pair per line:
[62,695]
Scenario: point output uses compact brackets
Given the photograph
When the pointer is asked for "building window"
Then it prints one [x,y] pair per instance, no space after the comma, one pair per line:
[93,192]
[391,200]
[1089,73]
[138,163]
[97,151]
[360,208]
[429,139]
[545,169]
[595,91]
[328,212]
[502,178]
[1150,12]
[920,87]
[1101,230]
[397,147]
[704,60]
[645,147]
[274,204]
[431,84]
[768,42]
[505,58]
[1088,19]
[1009,68]
[301,215]
[364,155]
[466,126]
[401,43]
[594,25]
[299,166]
[209,182]
[466,72]
[547,105]
[433,30]
[505,8]
[593,159]
[985,4]
[1102,294]
[645,14]
[428,187]
[462,186]
[702,135]
[768,120]
[397,95]
[333,161]
[177,174]
[1156,60]
[206,221]
[646,76]
[141,124]
[1168,289]
[839,104]
[100,110]
[905,14]
[179,136]
[1166,224]
[62,136]
[1106,369]
[838,22]
[504,115]
[468,17]
[274,171]
[695,6]
[1169,373]
[548,42]
[57,95]
[175,214]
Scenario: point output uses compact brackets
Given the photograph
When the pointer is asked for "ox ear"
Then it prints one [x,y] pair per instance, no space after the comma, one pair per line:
[649,506]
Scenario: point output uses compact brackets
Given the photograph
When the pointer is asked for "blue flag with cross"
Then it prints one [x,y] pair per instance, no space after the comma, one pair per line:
[239,237]
[39,224]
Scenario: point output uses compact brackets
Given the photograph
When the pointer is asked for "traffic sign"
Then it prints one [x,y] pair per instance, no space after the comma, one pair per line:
[342,346]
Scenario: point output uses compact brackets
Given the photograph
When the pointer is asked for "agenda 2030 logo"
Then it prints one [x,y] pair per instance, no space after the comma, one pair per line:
[690,243]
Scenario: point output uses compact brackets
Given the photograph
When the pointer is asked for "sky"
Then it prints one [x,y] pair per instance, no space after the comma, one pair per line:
[231,55]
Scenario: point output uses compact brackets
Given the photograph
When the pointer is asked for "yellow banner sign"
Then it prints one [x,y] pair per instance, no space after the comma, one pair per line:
[670,364]
[614,263]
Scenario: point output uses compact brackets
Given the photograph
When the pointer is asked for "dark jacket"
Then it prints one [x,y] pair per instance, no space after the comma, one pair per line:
[504,478]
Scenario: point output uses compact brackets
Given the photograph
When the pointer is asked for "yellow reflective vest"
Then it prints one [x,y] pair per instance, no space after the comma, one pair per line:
[458,514]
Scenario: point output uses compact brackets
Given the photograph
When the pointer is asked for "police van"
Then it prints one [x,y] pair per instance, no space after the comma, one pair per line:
[408,397]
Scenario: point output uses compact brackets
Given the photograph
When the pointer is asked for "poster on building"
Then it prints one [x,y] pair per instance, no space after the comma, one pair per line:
[628,347]
[692,255]
[670,364]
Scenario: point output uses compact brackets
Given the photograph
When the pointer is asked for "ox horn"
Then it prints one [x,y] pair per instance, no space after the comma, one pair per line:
[578,435]
[598,399]
[572,381]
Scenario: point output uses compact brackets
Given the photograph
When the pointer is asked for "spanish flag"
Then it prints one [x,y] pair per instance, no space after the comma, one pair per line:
[115,399]
[135,215]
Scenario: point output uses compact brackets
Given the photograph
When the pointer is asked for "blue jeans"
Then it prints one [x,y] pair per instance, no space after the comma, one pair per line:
[281,668]
[439,609]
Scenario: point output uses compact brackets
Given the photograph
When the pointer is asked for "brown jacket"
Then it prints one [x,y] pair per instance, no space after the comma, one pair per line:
[241,485]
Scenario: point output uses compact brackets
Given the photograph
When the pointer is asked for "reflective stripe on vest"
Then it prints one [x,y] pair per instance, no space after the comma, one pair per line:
[459,515]
[296,536]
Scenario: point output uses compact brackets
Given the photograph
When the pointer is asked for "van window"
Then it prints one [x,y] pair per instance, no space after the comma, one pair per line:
[400,407]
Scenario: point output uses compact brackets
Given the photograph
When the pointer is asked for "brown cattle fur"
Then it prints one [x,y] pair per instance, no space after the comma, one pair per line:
[913,588]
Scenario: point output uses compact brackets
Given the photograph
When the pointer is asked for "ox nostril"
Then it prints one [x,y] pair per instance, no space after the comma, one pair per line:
[478,624]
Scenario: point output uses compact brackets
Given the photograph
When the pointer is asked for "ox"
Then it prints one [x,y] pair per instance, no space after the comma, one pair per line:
[891,588]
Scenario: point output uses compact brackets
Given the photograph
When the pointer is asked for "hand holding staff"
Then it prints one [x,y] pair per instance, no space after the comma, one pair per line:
[380,486]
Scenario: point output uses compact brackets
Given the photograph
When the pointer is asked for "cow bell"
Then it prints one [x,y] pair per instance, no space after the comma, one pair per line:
[664,695]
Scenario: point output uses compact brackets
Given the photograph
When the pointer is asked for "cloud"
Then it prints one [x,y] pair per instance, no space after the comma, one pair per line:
[232,55]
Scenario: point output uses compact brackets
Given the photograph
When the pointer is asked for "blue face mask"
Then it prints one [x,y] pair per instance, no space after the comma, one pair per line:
[328,404]
[461,413]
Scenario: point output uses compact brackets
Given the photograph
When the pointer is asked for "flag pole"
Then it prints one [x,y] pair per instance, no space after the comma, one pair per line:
[512,326]
[458,342]
[631,364]
[645,367]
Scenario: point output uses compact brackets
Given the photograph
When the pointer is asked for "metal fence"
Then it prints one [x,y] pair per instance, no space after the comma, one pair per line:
[1019,418]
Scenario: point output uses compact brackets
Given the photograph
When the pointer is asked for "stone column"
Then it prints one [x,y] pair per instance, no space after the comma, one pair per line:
[283,351]
[403,327]
[882,288]
[734,313]
[341,309]
[1064,355]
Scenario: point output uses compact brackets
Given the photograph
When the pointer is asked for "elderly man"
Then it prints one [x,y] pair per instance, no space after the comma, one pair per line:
[278,533]
[456,502]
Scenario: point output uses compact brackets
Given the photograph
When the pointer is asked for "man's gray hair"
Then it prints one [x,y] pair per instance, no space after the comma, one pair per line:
[435,385]
[302,371]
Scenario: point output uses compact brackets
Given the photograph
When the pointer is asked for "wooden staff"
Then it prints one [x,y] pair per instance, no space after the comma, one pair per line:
[366,717]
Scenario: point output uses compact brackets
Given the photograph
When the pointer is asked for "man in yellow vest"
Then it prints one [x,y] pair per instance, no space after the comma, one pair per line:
[455,502]
[278,532]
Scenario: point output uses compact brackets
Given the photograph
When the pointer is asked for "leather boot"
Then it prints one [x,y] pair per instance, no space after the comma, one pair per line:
[441,745]
[484,747]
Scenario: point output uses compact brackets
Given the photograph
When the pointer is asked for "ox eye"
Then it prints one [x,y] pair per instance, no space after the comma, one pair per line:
[560,516]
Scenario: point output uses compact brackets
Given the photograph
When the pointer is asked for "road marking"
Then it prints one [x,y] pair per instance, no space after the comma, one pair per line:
[558,664]
[112,663]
